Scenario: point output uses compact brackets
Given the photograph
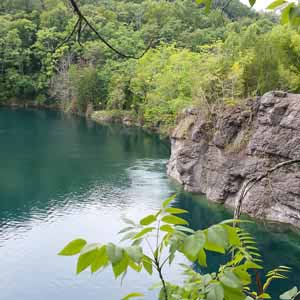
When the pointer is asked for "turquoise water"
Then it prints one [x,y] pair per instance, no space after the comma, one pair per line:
[63,177]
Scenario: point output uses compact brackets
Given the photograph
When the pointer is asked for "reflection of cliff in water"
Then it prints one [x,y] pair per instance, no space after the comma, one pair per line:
[278,245]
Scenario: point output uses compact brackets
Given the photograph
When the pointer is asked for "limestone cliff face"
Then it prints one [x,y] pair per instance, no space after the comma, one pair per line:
[217,158]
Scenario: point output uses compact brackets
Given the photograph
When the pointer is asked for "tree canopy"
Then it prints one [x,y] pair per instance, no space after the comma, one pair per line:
[197,58]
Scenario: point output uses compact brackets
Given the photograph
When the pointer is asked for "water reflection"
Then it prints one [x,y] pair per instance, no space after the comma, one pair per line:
[63,177]
[278,245]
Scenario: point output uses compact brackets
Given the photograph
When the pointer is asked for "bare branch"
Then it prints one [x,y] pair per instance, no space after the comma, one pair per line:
[79,25]
[68,37]
[225,6]
[252,182]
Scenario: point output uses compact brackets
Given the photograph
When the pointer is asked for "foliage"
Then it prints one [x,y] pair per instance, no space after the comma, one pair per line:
[158,238]
[86,85]
[204,58]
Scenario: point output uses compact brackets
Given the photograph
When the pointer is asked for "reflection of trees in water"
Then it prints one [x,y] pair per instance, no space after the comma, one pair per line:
[278,245]
[48,155]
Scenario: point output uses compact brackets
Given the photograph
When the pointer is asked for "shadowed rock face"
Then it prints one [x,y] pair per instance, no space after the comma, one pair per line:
[217,158]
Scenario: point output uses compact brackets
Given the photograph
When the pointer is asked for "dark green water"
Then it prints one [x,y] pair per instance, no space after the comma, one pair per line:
[64,177]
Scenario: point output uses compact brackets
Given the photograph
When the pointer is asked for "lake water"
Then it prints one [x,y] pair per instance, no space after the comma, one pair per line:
[63,177]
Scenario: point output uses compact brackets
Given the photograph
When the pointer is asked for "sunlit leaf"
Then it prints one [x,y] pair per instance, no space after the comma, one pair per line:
[143,232]
[73,248]
[290,294]
[135,253]
[168,201]
[100,259]
[216,292]
[231,280]
[174,220]
[120,266]
[114,253]
[276,4]
[85,260]
[167,228]
[175,211]
[193,244]
[202,258]
[132,295]
[148,220]
[147,263]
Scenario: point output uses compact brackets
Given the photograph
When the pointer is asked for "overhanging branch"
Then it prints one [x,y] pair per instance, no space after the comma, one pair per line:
[252,182]
[79,26]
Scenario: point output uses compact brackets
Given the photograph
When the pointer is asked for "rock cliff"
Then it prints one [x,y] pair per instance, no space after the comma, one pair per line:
[217,157]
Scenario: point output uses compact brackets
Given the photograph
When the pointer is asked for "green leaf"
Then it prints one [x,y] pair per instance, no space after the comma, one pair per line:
[290,294]
[174,220]
[184,229]
[73,248]
[167,228]
[202,258]
[252,265]
[132,295]
[294,15]
[243,275]
[85,260]
[134,266]
[216,292]
[175,211]
[235,221]
[252,2]
[120,266]
[143,232]
[233,237]
[276,4]
[90,247]
[147,263]
[168,201]
[114,253]
[128,236]
[217,239]
[233,294]
[285,14]
[137,242]
[127,221]
[126,229]
[193,244]
[231,280]
[148,220]
[135,253]
[100,260]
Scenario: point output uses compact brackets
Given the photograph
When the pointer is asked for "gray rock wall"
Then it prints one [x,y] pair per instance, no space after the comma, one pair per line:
[217,158]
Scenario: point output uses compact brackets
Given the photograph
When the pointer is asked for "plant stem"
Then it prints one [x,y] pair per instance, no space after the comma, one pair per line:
[161,278]
[259,283]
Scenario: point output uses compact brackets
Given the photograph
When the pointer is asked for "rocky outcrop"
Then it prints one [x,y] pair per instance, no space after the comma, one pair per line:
[218,157]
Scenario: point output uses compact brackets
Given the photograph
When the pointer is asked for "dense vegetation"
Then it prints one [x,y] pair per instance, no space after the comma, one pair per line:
[197,58]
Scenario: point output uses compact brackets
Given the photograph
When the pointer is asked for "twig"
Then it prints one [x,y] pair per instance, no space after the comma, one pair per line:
[78,26]
[225,6]
[68,37]
[252,182]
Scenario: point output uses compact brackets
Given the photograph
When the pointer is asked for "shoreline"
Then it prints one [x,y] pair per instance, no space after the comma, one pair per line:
[126,119]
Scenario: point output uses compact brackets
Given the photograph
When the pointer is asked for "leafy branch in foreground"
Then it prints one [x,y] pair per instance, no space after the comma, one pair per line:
[289,10]
[156,239]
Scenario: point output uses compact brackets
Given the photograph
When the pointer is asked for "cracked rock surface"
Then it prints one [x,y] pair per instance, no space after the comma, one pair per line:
[217,158]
